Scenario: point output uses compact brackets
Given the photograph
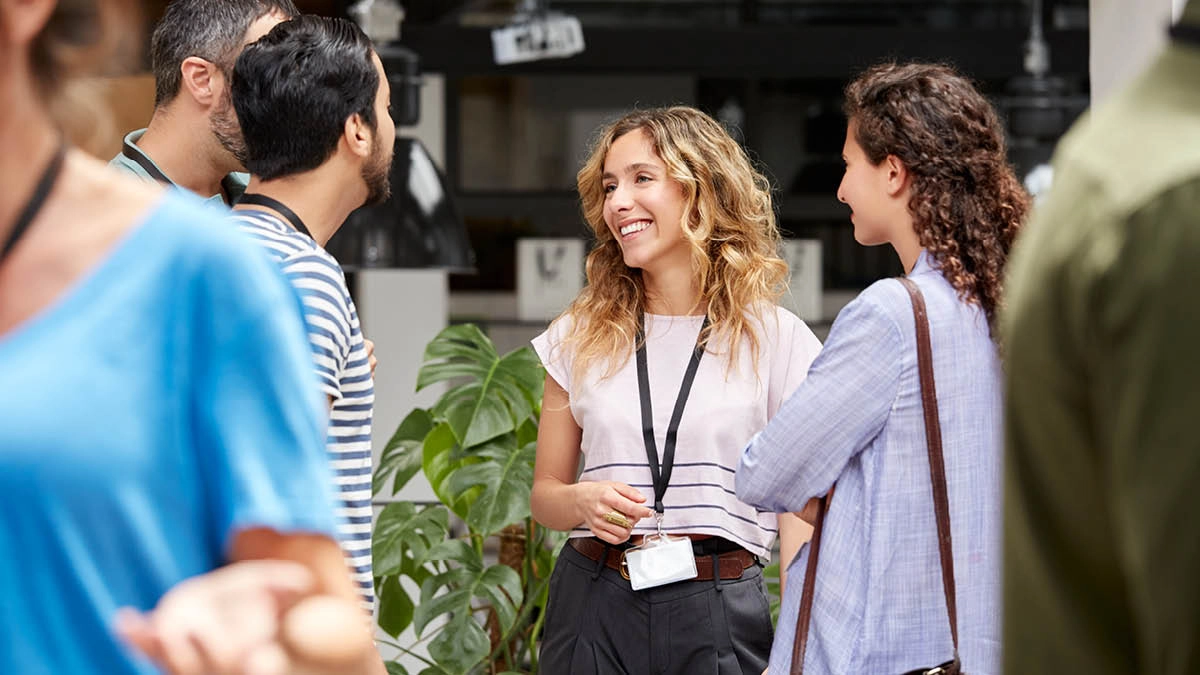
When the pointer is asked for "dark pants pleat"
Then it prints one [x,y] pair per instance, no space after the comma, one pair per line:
[597,625]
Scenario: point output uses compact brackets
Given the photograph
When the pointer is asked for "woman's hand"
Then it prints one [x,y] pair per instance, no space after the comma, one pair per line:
[596,499]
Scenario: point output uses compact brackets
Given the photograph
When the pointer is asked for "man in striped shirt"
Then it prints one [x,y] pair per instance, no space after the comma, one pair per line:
[313,102]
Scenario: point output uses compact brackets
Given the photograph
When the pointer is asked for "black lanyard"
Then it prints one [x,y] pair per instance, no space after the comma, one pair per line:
[256,199]
[36,201]
[143,161]
[663,478]
[149,167]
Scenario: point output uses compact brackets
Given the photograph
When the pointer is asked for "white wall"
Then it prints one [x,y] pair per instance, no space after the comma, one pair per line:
[1125,35]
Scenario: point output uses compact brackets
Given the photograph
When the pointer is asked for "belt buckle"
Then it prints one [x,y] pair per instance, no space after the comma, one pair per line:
[623,568]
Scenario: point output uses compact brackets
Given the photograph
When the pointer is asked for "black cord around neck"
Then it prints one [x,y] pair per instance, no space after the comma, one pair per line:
[256,199]
[35,203]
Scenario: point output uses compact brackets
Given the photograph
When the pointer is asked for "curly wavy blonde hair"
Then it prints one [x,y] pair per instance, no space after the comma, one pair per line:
[966,202]
[729,225]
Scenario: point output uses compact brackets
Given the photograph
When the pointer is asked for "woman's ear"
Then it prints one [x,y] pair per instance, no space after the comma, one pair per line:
[897,175]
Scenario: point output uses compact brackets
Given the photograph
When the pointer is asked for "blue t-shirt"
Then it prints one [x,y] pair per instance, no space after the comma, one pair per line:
[163,403]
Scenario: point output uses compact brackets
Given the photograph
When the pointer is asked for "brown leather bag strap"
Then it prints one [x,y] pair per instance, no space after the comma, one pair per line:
[806,596]
[937,464]
[937,477]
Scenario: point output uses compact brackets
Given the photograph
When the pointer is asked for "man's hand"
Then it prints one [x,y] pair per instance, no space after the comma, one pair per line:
[248,617]
[370,345]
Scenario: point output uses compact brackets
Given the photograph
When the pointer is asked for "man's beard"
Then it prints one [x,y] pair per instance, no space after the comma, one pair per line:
[225,128]
[376,173]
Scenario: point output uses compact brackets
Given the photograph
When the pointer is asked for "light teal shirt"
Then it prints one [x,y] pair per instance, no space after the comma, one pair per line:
[232,185]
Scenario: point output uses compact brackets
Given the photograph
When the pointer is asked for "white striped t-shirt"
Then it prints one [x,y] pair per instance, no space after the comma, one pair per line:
[723,412]
[340,358]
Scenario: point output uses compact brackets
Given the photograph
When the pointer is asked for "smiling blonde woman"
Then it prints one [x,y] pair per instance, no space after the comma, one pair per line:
[682,284]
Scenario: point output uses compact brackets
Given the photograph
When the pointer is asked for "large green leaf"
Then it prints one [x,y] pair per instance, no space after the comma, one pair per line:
[395,668]
[395,607]
[500,394]
[439,462]
[466,588]
[460,646]
[478,414]
[506,476]
[404,532]
[403,453]
[527,432]
[524,367]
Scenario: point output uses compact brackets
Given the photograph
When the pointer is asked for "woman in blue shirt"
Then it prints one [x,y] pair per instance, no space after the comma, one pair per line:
[926,172]
[158,417]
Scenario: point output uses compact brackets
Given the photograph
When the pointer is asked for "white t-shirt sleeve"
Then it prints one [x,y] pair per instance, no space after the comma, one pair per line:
[555,359]
[795,350]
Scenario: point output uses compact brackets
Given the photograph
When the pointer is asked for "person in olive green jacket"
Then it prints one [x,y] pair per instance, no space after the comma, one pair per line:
[1102,339]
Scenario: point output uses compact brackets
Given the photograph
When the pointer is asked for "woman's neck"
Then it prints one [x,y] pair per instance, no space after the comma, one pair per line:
[29,140]
[907,243]
[672,292]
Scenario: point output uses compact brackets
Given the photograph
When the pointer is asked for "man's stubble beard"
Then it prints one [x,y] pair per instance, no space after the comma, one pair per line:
[376,173]
[224,125]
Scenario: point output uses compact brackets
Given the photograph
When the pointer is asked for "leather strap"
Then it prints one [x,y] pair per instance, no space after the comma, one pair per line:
[806,596]
[730,565]
[937,464]
[941,500]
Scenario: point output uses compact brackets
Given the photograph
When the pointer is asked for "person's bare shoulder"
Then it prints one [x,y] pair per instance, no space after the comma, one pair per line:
[103,203]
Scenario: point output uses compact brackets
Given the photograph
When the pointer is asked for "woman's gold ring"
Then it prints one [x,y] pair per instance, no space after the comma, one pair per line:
[617,518]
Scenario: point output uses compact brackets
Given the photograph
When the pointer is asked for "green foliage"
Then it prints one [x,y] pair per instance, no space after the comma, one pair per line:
[476,448]
[771,578]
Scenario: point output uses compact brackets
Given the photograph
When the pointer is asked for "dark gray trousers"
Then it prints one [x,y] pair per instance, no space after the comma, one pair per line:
[597,625]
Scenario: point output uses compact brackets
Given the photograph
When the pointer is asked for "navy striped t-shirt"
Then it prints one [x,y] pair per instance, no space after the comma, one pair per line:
[340,358]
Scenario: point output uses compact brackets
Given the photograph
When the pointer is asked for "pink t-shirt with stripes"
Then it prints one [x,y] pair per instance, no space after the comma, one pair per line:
[724,411]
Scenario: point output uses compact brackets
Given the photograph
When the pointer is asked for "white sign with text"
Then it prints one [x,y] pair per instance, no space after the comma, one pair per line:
[549,276]
[552,36]
[804,292]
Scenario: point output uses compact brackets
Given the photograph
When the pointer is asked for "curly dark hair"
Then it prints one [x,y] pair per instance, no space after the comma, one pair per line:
[966,201]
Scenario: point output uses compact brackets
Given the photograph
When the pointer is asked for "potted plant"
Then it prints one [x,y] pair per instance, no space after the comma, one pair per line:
[476,448]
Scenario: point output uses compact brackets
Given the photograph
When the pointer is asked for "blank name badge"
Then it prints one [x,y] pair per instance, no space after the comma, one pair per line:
[660,561]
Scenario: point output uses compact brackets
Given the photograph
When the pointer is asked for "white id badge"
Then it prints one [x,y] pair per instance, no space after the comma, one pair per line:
[660,560]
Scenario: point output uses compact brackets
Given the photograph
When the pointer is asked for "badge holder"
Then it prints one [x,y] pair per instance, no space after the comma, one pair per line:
[659,560]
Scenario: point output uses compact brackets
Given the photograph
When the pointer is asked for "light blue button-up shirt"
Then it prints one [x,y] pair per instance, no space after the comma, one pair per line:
[856,420]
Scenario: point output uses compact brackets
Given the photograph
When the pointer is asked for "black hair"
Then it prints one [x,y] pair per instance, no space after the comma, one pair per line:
[294,89]
[213,30]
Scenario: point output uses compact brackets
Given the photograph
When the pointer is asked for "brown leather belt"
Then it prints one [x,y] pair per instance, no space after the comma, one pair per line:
[731,564]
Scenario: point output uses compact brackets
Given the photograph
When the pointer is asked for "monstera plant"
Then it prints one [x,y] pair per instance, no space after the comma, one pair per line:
[476,448]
